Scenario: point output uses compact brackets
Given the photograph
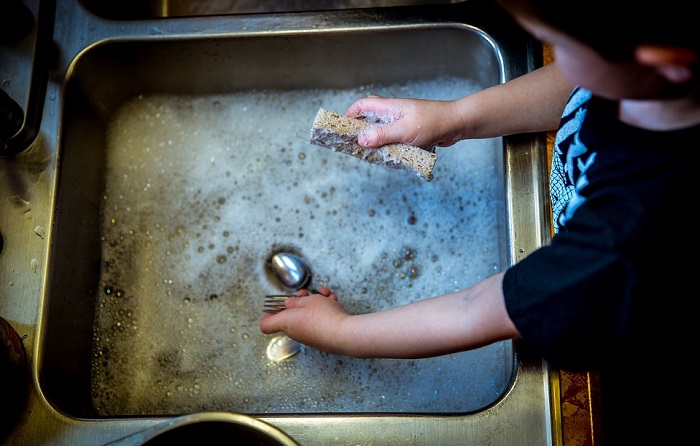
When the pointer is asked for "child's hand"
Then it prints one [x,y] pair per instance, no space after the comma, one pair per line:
[418,122]
[309,319]
[324,291]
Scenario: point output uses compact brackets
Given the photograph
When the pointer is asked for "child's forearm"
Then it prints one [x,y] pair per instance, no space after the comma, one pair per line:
[454,322]
[531,103]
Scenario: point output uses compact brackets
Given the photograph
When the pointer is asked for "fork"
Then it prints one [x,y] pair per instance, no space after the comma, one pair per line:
[274,303]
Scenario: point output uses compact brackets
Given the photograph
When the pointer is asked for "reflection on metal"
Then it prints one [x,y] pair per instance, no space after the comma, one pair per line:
[24,71]
[292,271]
[144,9]
[210,428]
[281,347]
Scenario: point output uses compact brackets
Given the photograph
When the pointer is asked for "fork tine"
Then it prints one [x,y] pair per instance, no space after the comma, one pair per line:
[274,303]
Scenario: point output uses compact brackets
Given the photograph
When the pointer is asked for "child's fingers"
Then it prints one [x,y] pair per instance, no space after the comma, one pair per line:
[325,291]
[328,293]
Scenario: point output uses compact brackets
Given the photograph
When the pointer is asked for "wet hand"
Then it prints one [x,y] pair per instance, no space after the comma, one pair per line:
[324,291]
[418,122]
[312,319]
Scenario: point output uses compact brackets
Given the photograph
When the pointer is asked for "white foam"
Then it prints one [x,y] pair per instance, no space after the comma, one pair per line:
[201,190]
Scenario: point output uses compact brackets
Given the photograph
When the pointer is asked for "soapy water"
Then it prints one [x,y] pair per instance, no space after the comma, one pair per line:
[201,190]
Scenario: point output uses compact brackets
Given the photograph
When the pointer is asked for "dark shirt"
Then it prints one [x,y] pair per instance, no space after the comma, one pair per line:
[613,290]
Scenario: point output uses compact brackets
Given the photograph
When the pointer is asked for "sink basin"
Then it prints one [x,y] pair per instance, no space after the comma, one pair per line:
[174,161]
[176,187]
[140,9]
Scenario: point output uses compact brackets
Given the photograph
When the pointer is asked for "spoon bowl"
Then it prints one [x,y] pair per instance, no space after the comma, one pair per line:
[290,270]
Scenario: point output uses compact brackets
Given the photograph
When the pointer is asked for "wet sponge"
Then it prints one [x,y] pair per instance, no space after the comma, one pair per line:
[339,133]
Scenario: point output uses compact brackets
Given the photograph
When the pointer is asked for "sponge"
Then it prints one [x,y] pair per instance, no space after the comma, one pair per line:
[339,133]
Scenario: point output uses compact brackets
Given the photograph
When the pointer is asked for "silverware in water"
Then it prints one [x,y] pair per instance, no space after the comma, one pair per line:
[290,270]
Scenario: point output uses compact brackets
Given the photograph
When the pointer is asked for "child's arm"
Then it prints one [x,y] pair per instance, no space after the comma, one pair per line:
[530,103]
[454,322]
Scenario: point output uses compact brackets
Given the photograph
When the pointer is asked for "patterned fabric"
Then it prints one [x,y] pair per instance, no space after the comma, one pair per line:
[570,160]
[615,280]
[583,300]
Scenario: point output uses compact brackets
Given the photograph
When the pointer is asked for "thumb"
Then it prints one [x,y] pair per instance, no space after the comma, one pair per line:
[378,136]
[269,324]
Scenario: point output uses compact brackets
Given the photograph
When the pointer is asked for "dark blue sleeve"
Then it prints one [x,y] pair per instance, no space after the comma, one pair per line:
[588,297]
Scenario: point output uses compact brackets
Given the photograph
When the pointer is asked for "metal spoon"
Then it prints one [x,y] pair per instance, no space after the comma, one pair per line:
[290,270]
[293,273]
[282,347]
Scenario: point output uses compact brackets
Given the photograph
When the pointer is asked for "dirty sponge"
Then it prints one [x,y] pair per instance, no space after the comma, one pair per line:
[339,133]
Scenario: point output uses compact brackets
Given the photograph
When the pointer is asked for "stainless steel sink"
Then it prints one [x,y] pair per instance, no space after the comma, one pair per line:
[176,161]
[144,9]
